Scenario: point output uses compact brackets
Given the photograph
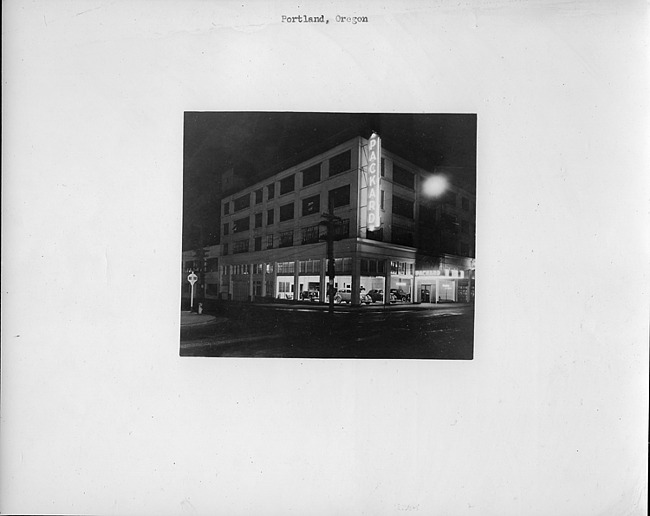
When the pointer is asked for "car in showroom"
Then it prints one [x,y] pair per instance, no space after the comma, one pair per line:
[345,296]
[376,295]
[310,295]
[399,294]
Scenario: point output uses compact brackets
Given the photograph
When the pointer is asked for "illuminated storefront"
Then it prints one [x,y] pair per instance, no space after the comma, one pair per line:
[446,280]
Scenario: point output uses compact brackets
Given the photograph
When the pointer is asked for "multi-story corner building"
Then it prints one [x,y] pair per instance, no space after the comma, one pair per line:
[272,236]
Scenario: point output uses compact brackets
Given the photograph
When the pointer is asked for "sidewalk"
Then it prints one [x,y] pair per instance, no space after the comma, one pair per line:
[194,319]
[305,305]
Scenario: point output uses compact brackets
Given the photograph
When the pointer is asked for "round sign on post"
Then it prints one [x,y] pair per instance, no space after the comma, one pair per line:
[192,279]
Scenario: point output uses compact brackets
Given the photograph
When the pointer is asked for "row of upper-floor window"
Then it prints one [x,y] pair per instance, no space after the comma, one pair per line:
[406,178]
[400,235]
[337,197]
[198,265]
[337,164]
[405,235]
[310,205]
[405,208]
[311,175]
[307,235]
[341,265]
[446,220]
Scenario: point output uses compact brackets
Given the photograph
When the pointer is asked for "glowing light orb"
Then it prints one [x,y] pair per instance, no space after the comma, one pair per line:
[435,186]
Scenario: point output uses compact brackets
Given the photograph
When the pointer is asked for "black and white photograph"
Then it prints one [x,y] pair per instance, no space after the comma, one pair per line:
[356,258]
[329,235]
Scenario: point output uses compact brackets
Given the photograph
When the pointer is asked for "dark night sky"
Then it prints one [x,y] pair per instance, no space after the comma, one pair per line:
[259,144]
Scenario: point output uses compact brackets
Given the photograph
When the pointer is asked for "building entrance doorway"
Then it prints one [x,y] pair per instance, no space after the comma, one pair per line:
[257,287]
[425,294]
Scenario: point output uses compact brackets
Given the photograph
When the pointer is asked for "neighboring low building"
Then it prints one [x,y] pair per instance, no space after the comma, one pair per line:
[204,262]
[272,237]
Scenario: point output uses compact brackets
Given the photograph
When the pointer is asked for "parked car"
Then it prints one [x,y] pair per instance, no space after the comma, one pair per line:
[399,294]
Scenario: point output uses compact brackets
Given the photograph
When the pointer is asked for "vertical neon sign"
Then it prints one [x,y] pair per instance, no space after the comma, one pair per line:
[374,164]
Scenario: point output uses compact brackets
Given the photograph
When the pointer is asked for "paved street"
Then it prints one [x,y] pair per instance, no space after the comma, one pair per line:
[244,330]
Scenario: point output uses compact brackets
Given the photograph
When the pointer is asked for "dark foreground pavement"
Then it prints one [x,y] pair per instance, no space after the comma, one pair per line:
[295,331]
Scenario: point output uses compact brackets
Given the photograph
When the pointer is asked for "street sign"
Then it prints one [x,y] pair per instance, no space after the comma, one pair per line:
[192,279]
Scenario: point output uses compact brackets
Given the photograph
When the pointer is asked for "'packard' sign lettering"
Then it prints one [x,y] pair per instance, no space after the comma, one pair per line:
[374,163]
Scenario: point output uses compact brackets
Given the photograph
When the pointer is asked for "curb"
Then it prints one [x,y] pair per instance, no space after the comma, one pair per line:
[205,319]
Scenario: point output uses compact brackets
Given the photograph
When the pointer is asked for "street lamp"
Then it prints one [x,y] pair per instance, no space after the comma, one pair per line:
[434,186]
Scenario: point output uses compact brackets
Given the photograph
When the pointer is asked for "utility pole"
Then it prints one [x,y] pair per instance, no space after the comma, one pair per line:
[331,222]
